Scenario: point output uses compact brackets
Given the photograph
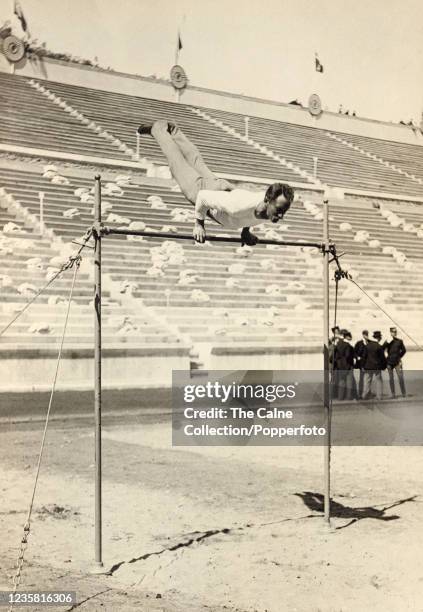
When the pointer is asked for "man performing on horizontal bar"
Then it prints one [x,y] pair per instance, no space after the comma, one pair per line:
[212,196]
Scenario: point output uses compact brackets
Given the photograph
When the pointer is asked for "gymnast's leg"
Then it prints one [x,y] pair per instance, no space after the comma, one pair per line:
[196,161]
[188,179]
[164,132]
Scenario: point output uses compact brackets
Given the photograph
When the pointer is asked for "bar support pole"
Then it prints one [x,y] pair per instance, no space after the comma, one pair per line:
[41,198]
[97,377]
[326,365]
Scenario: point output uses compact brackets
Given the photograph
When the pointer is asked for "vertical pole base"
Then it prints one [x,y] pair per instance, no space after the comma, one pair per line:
[98,568]
[326,528]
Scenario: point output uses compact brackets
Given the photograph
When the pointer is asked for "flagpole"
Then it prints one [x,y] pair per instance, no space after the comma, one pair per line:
[317,80]
[178,38]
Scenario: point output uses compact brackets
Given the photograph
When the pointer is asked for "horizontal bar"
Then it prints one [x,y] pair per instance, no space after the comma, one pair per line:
[107,231]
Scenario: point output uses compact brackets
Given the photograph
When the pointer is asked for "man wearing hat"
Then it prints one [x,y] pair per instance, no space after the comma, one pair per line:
[344,364]
[360,352]
[374,363]
[395,351]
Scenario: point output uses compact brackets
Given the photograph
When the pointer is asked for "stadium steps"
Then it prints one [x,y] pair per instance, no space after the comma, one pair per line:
[29,119]
[302,175]
[383,162]
[91,125]
[338,165]
[406,157]
[121,115]
[139,331]
[128,260]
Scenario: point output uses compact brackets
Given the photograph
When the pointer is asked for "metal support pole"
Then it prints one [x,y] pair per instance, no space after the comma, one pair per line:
[315,160]
[41,197]
[138,145]
[326,367]
[97,376]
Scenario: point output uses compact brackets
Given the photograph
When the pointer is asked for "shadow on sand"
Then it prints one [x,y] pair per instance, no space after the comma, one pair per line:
[315,502]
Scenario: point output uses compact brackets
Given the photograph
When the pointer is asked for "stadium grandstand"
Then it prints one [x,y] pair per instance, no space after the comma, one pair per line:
[196,417]
[176,306]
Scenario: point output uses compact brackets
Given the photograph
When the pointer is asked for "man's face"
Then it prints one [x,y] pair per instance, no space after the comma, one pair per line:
[276,209]
[394,334]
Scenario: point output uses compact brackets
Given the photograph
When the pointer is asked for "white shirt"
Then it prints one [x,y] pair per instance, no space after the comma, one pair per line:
[233,209]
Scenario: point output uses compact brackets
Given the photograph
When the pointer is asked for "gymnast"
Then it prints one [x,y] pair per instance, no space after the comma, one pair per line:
[214,197]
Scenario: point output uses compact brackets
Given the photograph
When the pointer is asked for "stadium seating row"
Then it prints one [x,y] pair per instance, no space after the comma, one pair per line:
[217,294]
[33,120]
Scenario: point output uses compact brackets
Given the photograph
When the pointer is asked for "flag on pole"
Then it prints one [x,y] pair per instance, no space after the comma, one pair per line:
[317,64]
[19,14]
[178,46]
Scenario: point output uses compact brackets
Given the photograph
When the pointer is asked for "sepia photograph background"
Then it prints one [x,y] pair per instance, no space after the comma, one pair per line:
[108,305]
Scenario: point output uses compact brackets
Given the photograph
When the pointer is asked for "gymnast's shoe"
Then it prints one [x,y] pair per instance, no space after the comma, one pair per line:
[172,126]
[145,128]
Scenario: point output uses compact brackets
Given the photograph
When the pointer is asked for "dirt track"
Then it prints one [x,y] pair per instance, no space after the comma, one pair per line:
[223,528]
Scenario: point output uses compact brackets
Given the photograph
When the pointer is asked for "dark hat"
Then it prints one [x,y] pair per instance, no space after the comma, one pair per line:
[346,334]
[377,335]
[393,329]
[365,332]
[335,328]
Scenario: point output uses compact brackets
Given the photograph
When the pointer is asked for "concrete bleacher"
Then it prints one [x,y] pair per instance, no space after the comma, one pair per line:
[410,244]
[147,312]
[408,157]
[127,332]
[121,115]
[31,120]
[337,164]
[245,315]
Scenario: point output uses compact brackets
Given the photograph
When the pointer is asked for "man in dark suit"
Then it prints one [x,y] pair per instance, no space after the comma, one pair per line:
[333,341]
[395,351]
[344,364]
[360,352]
[374,363]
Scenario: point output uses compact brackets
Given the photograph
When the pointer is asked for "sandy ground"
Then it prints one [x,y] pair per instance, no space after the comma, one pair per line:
[211,529]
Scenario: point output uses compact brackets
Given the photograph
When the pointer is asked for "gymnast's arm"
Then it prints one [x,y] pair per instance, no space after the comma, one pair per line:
[201,209]
[199,231]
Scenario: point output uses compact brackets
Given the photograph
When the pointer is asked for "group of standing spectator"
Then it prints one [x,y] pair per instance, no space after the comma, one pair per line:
[370,357]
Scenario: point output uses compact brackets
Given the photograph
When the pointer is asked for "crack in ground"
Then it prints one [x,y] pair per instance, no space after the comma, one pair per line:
[77,605]
[315,503]
[200,538]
